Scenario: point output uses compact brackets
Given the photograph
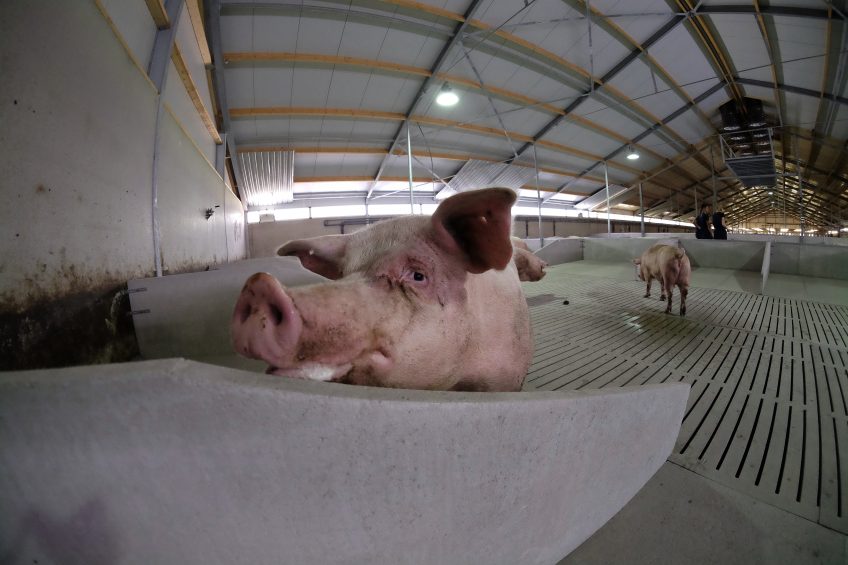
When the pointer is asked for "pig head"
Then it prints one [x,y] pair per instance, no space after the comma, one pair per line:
[414,302]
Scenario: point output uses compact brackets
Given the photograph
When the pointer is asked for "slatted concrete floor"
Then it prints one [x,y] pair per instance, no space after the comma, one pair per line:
[768,410]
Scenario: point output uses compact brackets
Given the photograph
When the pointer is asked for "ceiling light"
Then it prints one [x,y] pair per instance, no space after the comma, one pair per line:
[632,154]
[446,97]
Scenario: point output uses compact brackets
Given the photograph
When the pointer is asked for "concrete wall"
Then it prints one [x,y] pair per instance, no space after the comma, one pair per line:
[265,237]
[78,118]
[738,255]
[562,251]
[809,260]
[597,249]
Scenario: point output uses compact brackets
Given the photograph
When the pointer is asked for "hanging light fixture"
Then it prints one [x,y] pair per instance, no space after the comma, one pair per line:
[446,97]
[632,154]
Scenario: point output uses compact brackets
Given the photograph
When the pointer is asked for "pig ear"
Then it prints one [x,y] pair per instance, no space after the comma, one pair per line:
[477,224]
[322,255]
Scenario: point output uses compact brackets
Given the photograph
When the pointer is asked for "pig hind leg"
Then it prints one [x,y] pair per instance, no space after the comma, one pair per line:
[684,291]
[668,287]
[648,289]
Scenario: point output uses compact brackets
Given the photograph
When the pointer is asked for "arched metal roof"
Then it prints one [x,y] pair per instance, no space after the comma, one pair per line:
[565,86]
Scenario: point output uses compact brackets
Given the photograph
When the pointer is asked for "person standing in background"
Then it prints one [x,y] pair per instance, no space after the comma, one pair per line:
[702,223]
[719,229]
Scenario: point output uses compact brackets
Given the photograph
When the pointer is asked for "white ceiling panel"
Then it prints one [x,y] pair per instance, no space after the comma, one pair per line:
[681,57]
[801,110]
[418,51]
[697,88]
[613,119]
[710,105]
[374,132]
[630,6]
[390,93]
[636,81]
[309,87]
[658,145]
[639,27]
[365,41]
[801,38]
[237,32]
[319,35]
[742,40]
[274,33]
[347,89]
[575,135]
[692,128]
[840,124]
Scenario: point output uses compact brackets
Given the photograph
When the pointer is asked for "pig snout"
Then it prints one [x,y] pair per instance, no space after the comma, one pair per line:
[266,324]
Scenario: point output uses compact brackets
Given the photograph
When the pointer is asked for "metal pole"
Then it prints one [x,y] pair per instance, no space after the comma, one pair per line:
[800,195]
[695,192]
[712,171]
[539,196]
[409,159]
[606,182]
[158,73]
[641,211]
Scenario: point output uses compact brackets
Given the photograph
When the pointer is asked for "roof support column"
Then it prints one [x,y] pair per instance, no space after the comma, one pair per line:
[539,197]
[409,161]
[606,183]
[160,60]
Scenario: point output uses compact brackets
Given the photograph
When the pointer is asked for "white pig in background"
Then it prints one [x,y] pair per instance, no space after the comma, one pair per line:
[669,265]
[530,267]
[415,302]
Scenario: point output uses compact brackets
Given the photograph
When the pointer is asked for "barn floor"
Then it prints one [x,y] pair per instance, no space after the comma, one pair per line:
[759,472]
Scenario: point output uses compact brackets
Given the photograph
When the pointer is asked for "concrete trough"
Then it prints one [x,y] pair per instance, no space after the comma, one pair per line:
[181,462]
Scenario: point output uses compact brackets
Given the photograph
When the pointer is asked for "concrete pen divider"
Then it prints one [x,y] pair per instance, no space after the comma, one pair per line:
[183,462]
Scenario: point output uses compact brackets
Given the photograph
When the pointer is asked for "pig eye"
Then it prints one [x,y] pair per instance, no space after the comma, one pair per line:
[417,276]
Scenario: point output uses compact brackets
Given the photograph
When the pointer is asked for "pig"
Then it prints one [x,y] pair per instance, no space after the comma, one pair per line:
[669,265]
[530,267]
[414,302]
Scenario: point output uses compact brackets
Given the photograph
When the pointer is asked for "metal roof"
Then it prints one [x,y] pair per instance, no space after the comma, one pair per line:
[570,83]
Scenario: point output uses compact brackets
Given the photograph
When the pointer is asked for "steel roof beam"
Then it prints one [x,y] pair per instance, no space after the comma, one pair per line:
[797,11]
[659,34]
[440,60]
[213,32]
[644,134]
[793,89]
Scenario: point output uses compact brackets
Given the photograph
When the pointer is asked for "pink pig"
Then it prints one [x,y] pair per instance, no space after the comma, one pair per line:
[423,303]
[530,267]
[669,265]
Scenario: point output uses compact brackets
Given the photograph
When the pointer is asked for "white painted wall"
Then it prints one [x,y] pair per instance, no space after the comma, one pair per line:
[78,117]
[265,238]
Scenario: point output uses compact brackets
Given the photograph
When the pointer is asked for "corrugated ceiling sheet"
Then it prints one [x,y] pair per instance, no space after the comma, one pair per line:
[479,174]
[600,197]
[267,178]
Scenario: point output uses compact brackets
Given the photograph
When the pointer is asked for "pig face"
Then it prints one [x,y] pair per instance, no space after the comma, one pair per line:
[427,303]
[529,266]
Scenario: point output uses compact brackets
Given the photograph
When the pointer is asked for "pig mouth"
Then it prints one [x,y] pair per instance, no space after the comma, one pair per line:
[369,363]
[312,371]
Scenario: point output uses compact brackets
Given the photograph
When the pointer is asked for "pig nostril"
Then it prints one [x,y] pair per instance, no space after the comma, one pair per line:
[277,315]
